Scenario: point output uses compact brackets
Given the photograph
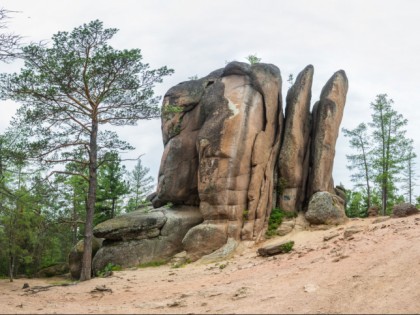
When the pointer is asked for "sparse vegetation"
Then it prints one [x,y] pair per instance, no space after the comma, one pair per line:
[181,264]
[287,247]
[253,59]
[156,263]
[245,215]
[276,218]
[168,111]
[108,269]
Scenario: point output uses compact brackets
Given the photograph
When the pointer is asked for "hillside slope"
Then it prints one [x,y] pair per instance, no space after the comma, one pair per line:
[365,267]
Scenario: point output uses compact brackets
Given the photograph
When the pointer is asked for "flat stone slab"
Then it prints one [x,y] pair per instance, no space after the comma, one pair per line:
[134,225]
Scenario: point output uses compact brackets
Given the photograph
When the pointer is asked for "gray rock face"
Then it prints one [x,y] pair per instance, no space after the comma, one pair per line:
[138,224]
[404,209]
[141,237]
[326,119]
[52,271]
[294,154]
[204,239]
[326,208]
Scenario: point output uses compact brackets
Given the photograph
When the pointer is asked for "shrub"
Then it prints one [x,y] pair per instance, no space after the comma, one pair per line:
[276,218]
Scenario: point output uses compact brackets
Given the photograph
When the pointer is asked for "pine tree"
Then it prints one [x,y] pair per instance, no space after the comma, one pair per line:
[360,162]
[140,185]
[390,146]
[111,186]
[67,91]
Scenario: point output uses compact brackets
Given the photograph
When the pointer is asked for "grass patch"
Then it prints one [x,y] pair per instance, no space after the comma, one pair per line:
[245,215]
[108,269]
[181,264]
[276,218]
[287,247]
[156,263]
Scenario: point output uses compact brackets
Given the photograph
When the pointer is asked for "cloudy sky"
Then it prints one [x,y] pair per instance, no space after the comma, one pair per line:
[375,42]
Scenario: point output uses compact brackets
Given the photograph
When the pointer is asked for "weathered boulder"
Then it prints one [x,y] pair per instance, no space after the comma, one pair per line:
[76,255]
[325,208]
[138,224]
[54,270]
[142,237]
[404,209]
[294,153]
[286,227]
[223,253]
[204,239]
[275,249]
[326,119]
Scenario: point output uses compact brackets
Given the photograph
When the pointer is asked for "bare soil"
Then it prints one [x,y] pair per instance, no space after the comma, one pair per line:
[365,267]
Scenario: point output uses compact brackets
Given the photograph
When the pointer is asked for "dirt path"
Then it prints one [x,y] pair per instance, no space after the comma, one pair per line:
[374,270]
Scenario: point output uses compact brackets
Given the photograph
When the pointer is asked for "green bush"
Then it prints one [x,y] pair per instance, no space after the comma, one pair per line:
[287,247]
[276,218]
[108,269]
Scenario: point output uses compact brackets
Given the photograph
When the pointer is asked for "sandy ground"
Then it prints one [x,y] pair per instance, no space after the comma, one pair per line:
[376,270]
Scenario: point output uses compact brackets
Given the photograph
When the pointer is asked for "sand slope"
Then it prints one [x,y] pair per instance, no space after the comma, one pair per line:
[374,270]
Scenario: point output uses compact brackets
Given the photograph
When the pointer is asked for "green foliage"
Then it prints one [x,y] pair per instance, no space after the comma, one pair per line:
[360,163]
[140,184]
[356,205]
[223,266]
[169,205]
[281,185]
[253,59]
[111,187]
[290,79]
[245,215]
[9,42]
[181,264]
[69,90]
[108,269]
[156,263]
[276,218]
[168,111]
[30,234]
[383,157]
[287,247]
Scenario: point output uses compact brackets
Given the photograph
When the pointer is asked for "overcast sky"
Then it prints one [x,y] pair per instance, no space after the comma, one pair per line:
[375,42]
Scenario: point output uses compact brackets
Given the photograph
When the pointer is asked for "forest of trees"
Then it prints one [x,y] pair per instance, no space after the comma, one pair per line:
[60,168]
[383,163]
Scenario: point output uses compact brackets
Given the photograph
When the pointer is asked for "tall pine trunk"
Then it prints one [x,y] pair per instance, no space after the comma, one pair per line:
[86,272]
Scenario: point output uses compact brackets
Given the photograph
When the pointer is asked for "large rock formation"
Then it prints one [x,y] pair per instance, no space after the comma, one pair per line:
[230,155]
[221,147]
